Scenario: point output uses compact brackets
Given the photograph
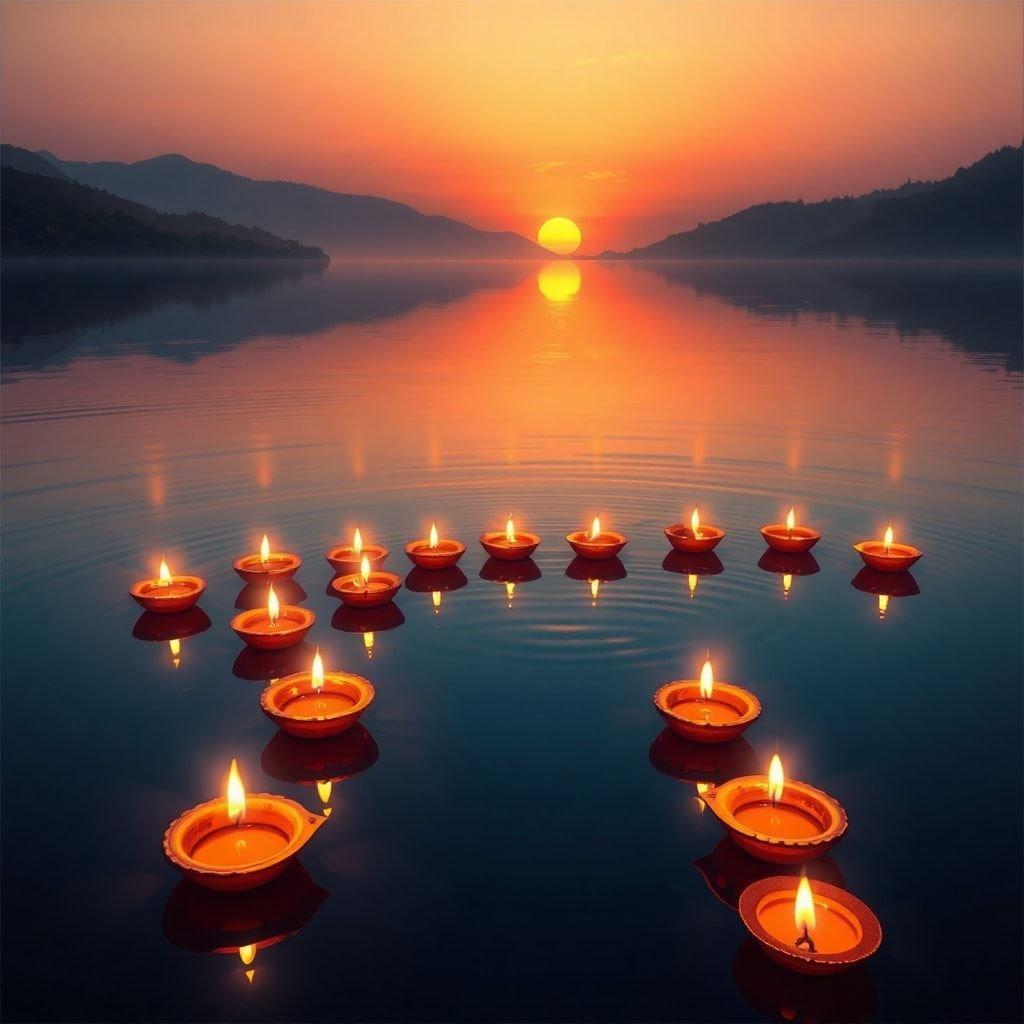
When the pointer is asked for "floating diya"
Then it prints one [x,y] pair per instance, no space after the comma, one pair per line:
[596,543]
[435,552]
[317,703]
[706,711]
[813,930]
[509,545]
[886,555]
[265,566]
[368,588]
[695,538]
[241,841]
[348,558]
[777,819]
[275,626]
[168,594]
[790,538]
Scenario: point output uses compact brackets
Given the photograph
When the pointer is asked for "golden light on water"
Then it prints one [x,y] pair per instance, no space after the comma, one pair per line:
[560,235]
[883,605]
[787,583]
[595,589]
[560,281]
[510,593]
[235,795]
[368,639]
[175,646]
[691,581]
[435,598]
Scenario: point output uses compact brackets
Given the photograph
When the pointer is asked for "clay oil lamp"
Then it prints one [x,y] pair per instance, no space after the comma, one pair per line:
[266,566]
[368,588]
[241,841]
[705,711]
[789,538]
[776,819]
[886,555]
[168,594]
[819,929]
[260,666]
[435,552]
[509,545]
[255,595]
[348,558]
[886,585]
[595,543]
[275,626]
[788,567]
[315,704]
[695,539]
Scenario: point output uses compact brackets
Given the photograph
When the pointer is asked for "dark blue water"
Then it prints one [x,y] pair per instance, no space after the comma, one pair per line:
[509,838]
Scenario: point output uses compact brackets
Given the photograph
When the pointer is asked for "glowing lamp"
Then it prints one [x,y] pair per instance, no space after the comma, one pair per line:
[596,543]
[435,552]
[274,627]
[695,537]
[886,555]
[266,565]
[788,537]
[167,593]
[367,588]
[510,545]
[347,558]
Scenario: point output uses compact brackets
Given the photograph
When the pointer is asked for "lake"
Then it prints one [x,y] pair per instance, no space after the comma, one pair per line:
[510,837]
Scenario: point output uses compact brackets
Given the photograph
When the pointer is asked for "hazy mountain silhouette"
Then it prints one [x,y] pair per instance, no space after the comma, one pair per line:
[31,163]
[975,213]
[343,225]
[45,216]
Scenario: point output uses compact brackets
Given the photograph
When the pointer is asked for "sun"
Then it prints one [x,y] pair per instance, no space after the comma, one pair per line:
[560,235]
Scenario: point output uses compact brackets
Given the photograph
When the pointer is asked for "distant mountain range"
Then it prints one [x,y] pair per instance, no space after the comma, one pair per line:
[343,225]
[976,213]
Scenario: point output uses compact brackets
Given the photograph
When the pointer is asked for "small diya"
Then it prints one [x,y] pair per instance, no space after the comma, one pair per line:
[255,595]
[367,588]
[240,842]
[812,930]
[790,538]
[596,543]
[695,538]
[706,711]
[886,585]
[348,558]
[885,555]
[275,626]
[776,819]
[435,552]
[316,703]
[168,594]
[510,545]
[267,566]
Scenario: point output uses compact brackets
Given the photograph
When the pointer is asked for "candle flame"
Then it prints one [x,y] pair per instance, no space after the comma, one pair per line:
[316,674]
[791,519]
[165,574]
[265,549]
[887,541]
[595,587]
[776,779]
[175,646]
[368,643]
[707,679]
[273,606]
[357,542]
[323,790]
[803,908]
[595,528]
[691,581]
[695,523]
[235,795]
[435,598]
[364,570]
[247,954]
[433,535]
[510,530]
[787,582]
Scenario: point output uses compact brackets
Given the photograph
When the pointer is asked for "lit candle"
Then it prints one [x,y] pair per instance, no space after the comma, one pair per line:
[435,552]
[511,545]
[366,588]
[789,538]
[267,565]
[886,555]
[347,558]
[696,538]
[275,626]
[167,593]
[597,542]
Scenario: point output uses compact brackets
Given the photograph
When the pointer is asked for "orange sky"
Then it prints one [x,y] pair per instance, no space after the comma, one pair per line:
[634,119]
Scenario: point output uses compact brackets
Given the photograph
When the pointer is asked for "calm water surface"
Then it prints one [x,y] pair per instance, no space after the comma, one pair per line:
[512,840]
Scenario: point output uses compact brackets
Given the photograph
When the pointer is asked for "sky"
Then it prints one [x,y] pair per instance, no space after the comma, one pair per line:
[633,119]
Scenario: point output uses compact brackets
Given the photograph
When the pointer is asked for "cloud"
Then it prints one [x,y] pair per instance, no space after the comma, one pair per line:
[547,165]
[604,176]
[626,57]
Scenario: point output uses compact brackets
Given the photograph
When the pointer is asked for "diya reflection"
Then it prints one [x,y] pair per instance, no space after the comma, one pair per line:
[168,594]
[266,565]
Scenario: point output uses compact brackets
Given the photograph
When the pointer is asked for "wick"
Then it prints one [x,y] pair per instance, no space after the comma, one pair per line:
[806,940]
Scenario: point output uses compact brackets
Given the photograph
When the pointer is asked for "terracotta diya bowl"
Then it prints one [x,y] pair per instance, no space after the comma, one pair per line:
[682,538]
[779,537]
[606,544]
[442,556]
[498,545]
[846,931]
[372,591]
[279,565]
[898,558]
[716,719]
[346,559]
[293,704]
[167,597]
[205,845]
[257,629]
[803,824]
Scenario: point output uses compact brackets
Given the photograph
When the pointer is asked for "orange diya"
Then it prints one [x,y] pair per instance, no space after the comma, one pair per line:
[788,537]
[275,626]
[366,588]
[317,703]
[695,538]
[777,819]
[265,566]
[435,552]
[886,555]
[819,929]
[596,543]
[241,841]
[168,594]
[706,711]
[348,558]
[509,545]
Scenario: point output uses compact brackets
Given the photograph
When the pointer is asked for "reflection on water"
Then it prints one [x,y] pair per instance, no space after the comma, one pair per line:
[512,811]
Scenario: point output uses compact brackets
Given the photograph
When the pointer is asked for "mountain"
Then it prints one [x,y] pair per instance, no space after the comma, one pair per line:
[344,225]
[31,163]
[48,216]
[975,213]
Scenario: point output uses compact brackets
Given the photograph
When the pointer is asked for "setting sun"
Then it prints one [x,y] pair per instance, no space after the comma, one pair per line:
[560,235]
